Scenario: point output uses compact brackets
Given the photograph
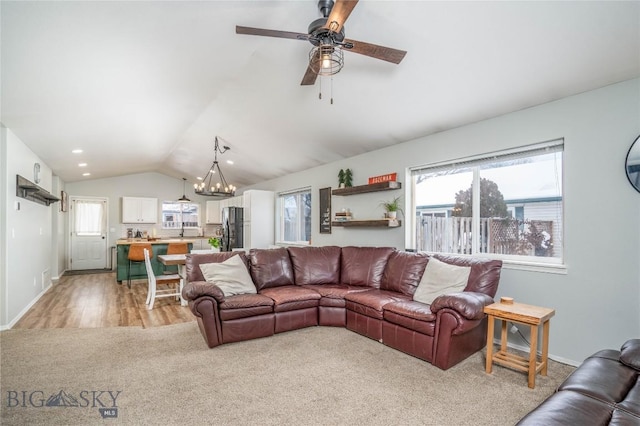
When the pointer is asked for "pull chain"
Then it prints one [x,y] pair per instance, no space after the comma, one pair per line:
[331,89]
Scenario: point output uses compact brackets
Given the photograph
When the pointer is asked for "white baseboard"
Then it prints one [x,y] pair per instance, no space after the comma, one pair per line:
[25,310]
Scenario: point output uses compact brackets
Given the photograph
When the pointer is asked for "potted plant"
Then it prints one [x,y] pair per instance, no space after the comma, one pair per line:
[392,207]
[341,178]
[348,178]
[214,242]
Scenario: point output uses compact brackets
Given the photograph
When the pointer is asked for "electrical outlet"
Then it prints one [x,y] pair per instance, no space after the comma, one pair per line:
[514,329]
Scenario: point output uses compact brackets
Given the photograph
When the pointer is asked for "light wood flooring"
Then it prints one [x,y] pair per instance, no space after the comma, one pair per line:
[97,300]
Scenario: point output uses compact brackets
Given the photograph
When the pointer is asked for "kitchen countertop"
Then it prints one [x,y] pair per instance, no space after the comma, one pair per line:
[160,240]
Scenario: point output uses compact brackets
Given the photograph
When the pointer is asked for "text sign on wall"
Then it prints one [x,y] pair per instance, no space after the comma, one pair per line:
[389,177]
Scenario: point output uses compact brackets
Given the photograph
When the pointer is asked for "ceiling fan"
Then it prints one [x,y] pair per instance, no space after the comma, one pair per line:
[327,35]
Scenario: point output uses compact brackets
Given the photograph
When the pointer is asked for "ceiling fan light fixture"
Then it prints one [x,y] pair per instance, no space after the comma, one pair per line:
[326,59]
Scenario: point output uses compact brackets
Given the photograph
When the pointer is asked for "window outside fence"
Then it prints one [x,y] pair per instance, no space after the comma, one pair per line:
[174,214]
[506,205]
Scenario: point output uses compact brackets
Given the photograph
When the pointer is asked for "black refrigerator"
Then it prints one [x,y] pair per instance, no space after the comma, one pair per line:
[232,236]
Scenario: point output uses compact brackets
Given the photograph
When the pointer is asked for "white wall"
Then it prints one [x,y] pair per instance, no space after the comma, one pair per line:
[27,233]
[597,301]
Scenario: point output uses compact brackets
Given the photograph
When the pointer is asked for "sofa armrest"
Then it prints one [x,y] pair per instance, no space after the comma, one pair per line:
[195,289]
[469,304]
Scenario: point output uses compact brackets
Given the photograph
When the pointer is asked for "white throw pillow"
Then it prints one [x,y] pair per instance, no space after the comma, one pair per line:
[441,278]
[231,276]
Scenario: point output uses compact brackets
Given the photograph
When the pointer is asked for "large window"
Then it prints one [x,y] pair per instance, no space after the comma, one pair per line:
[175,215]
[506,205]
[295,216]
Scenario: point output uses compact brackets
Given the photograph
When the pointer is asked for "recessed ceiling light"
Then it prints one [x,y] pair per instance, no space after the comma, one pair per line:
[77,151]
[229,161]
[199,178]
[86,174]
[82,164]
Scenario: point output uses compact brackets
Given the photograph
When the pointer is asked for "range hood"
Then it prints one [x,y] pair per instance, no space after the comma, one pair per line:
[32,192]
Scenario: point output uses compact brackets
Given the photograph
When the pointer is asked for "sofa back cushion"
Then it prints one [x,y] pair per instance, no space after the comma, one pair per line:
[271,267]
[364,266]
[316,265]
[195,260]
[403,272]
[484,276]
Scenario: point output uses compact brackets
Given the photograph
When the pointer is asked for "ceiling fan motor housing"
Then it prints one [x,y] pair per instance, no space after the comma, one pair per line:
[318,34]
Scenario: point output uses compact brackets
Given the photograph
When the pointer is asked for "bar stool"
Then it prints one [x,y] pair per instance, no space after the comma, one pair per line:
[176,248]
[136,254]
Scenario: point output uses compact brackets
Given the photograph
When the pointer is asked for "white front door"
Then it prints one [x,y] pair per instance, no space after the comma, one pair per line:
[88,233]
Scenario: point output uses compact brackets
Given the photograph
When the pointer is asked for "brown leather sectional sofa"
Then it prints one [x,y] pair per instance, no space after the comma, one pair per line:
[368,290]
[603,390]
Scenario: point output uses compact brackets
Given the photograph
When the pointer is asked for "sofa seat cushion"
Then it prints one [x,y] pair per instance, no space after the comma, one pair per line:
[245,305]
[291,297]
[415,316]
[333,303]
[333,294]
[335,291]
[371,302]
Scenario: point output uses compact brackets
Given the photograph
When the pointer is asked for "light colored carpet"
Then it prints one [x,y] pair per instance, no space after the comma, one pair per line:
[316,376]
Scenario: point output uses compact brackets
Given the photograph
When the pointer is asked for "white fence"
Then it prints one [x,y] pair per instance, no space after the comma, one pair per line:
[501,236]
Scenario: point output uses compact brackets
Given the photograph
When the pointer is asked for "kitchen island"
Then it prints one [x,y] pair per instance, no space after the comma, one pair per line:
[138,269]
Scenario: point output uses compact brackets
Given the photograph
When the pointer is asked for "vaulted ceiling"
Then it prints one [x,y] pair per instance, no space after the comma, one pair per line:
[146,86]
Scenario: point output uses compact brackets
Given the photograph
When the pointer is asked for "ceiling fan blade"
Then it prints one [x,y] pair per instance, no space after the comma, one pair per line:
[339,14]
[271,33]
[379,52]
[310,75]
[309,78]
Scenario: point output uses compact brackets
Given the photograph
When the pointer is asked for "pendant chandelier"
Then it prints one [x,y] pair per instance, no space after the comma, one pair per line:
[184,198]
[214,184]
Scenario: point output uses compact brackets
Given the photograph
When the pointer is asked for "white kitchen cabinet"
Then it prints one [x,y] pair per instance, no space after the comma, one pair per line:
[139,210]
[213,212]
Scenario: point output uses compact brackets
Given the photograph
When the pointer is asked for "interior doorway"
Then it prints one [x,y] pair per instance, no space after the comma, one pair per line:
[88,228]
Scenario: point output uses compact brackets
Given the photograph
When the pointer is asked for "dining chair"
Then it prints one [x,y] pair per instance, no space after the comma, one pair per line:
[175,248]
[154,281]
[136,255]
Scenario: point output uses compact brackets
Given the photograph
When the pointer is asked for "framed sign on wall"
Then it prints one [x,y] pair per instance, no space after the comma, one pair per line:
[325,210]
[64,201]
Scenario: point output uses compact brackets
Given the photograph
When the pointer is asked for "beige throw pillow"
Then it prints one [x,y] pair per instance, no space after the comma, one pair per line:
[441,278]
[231,276]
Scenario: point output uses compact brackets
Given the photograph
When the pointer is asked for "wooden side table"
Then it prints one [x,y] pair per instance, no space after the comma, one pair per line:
[520,313]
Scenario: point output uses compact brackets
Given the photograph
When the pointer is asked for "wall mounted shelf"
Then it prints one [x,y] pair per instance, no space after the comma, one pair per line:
[362,189]
[32,192]
[377,223]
